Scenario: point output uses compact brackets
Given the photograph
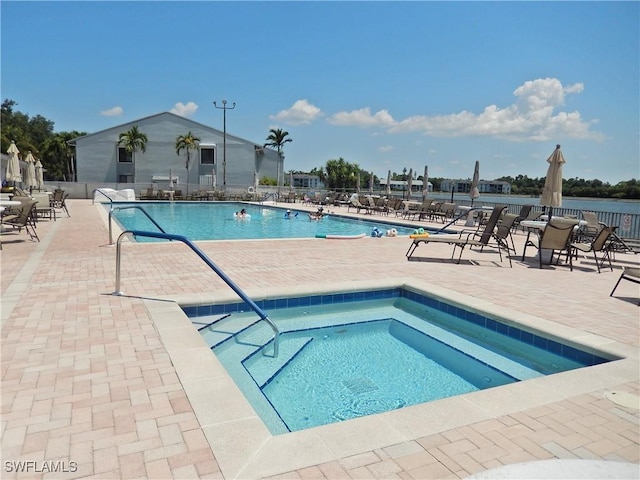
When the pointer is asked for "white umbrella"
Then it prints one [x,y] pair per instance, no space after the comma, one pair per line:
[425,183]
[256,181]
[475,193]
[388,189]
[358,183]
[552,191]
[13,165]
[213,180]
[171,179]
[30,172]
[39,175]
[371,184]
[410,183]
[291,181]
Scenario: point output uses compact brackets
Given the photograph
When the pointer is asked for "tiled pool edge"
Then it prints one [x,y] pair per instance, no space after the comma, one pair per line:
[243,446]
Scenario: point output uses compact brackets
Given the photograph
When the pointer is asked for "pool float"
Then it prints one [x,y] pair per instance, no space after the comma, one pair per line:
[342,237]
[376,233]
[240,218]
[419,235]
[392,232]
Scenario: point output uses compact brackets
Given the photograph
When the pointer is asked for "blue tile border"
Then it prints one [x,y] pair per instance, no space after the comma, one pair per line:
[553,346]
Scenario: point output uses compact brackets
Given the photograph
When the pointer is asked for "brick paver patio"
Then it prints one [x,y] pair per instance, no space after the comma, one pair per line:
[89,390]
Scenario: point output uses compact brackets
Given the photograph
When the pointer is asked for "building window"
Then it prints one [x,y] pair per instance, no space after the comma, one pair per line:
[207,156]
[124,156]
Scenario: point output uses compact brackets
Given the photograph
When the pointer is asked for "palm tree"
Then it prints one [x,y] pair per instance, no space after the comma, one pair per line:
[187,143]
[277,138]
[132,141]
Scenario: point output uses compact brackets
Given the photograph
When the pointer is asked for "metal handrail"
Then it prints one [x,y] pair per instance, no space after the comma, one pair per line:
[125,208]
[93,196]
[213,266]
[268,195]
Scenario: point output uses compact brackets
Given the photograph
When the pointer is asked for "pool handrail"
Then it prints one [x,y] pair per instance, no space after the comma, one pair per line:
[209,262]
[93,196]
[138,207]
[273,195]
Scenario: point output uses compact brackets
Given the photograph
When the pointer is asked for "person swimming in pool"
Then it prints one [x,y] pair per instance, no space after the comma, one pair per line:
[289,215]
[241,215]
[317,215]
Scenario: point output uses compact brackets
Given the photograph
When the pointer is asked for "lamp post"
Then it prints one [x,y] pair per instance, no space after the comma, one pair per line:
[224,109]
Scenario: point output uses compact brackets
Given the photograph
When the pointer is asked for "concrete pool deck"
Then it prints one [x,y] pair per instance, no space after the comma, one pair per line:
[107,383]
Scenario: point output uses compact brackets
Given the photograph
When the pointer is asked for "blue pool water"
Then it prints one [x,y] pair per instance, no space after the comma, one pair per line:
[215,221]
[352,354]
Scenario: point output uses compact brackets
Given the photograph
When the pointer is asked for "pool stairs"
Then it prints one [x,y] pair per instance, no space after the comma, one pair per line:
[252,344]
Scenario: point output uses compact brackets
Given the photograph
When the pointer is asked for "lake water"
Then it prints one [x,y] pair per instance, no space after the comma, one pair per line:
[592,204]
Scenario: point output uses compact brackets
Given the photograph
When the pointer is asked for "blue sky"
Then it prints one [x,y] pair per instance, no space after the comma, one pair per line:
[387,85]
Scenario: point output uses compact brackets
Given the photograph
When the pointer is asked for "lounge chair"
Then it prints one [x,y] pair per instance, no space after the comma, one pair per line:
[629,273]
[599,244]
[504,229]
[358,205]
[466,238]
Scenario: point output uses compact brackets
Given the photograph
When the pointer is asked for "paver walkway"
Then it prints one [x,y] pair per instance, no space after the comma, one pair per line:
[88,389]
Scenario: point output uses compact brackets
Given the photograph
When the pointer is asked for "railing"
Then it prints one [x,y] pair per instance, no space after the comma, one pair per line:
[126,208]
[273,195]
[97,190]
[213,266]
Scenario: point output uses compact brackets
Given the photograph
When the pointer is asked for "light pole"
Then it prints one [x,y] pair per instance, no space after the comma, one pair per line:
[224,109]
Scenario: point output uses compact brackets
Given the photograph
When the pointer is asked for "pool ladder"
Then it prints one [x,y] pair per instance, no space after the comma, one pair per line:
[205,259]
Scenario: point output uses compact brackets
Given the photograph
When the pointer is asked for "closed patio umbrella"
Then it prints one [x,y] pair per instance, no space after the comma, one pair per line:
[371,184]
[425,183]
[358,182]
[474,192]
[409,183]
[39,175]
[388,188]
[552,191]
[213,180]
[291,181]
[30,172]
[13,165]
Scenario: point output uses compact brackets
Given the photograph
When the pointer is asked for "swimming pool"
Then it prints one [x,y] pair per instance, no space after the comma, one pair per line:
[216,221]
[353,354]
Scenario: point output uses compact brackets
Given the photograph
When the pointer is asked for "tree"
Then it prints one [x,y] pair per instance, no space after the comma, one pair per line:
[187,143]
[58,156]
[132,141]
[277,138]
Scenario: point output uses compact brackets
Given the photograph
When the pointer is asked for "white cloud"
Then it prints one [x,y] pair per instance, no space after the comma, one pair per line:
[184,110]
[386,148]
[362,118]
[112,112]
[535,115]
[301,113]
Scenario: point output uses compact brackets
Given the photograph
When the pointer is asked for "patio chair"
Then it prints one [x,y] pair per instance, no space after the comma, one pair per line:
[466,238]
[59,200]
[447,210]
[24,217]
[556,237]
[593,226]
[629,273]
[599,244]
[525,210]
[532,216]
